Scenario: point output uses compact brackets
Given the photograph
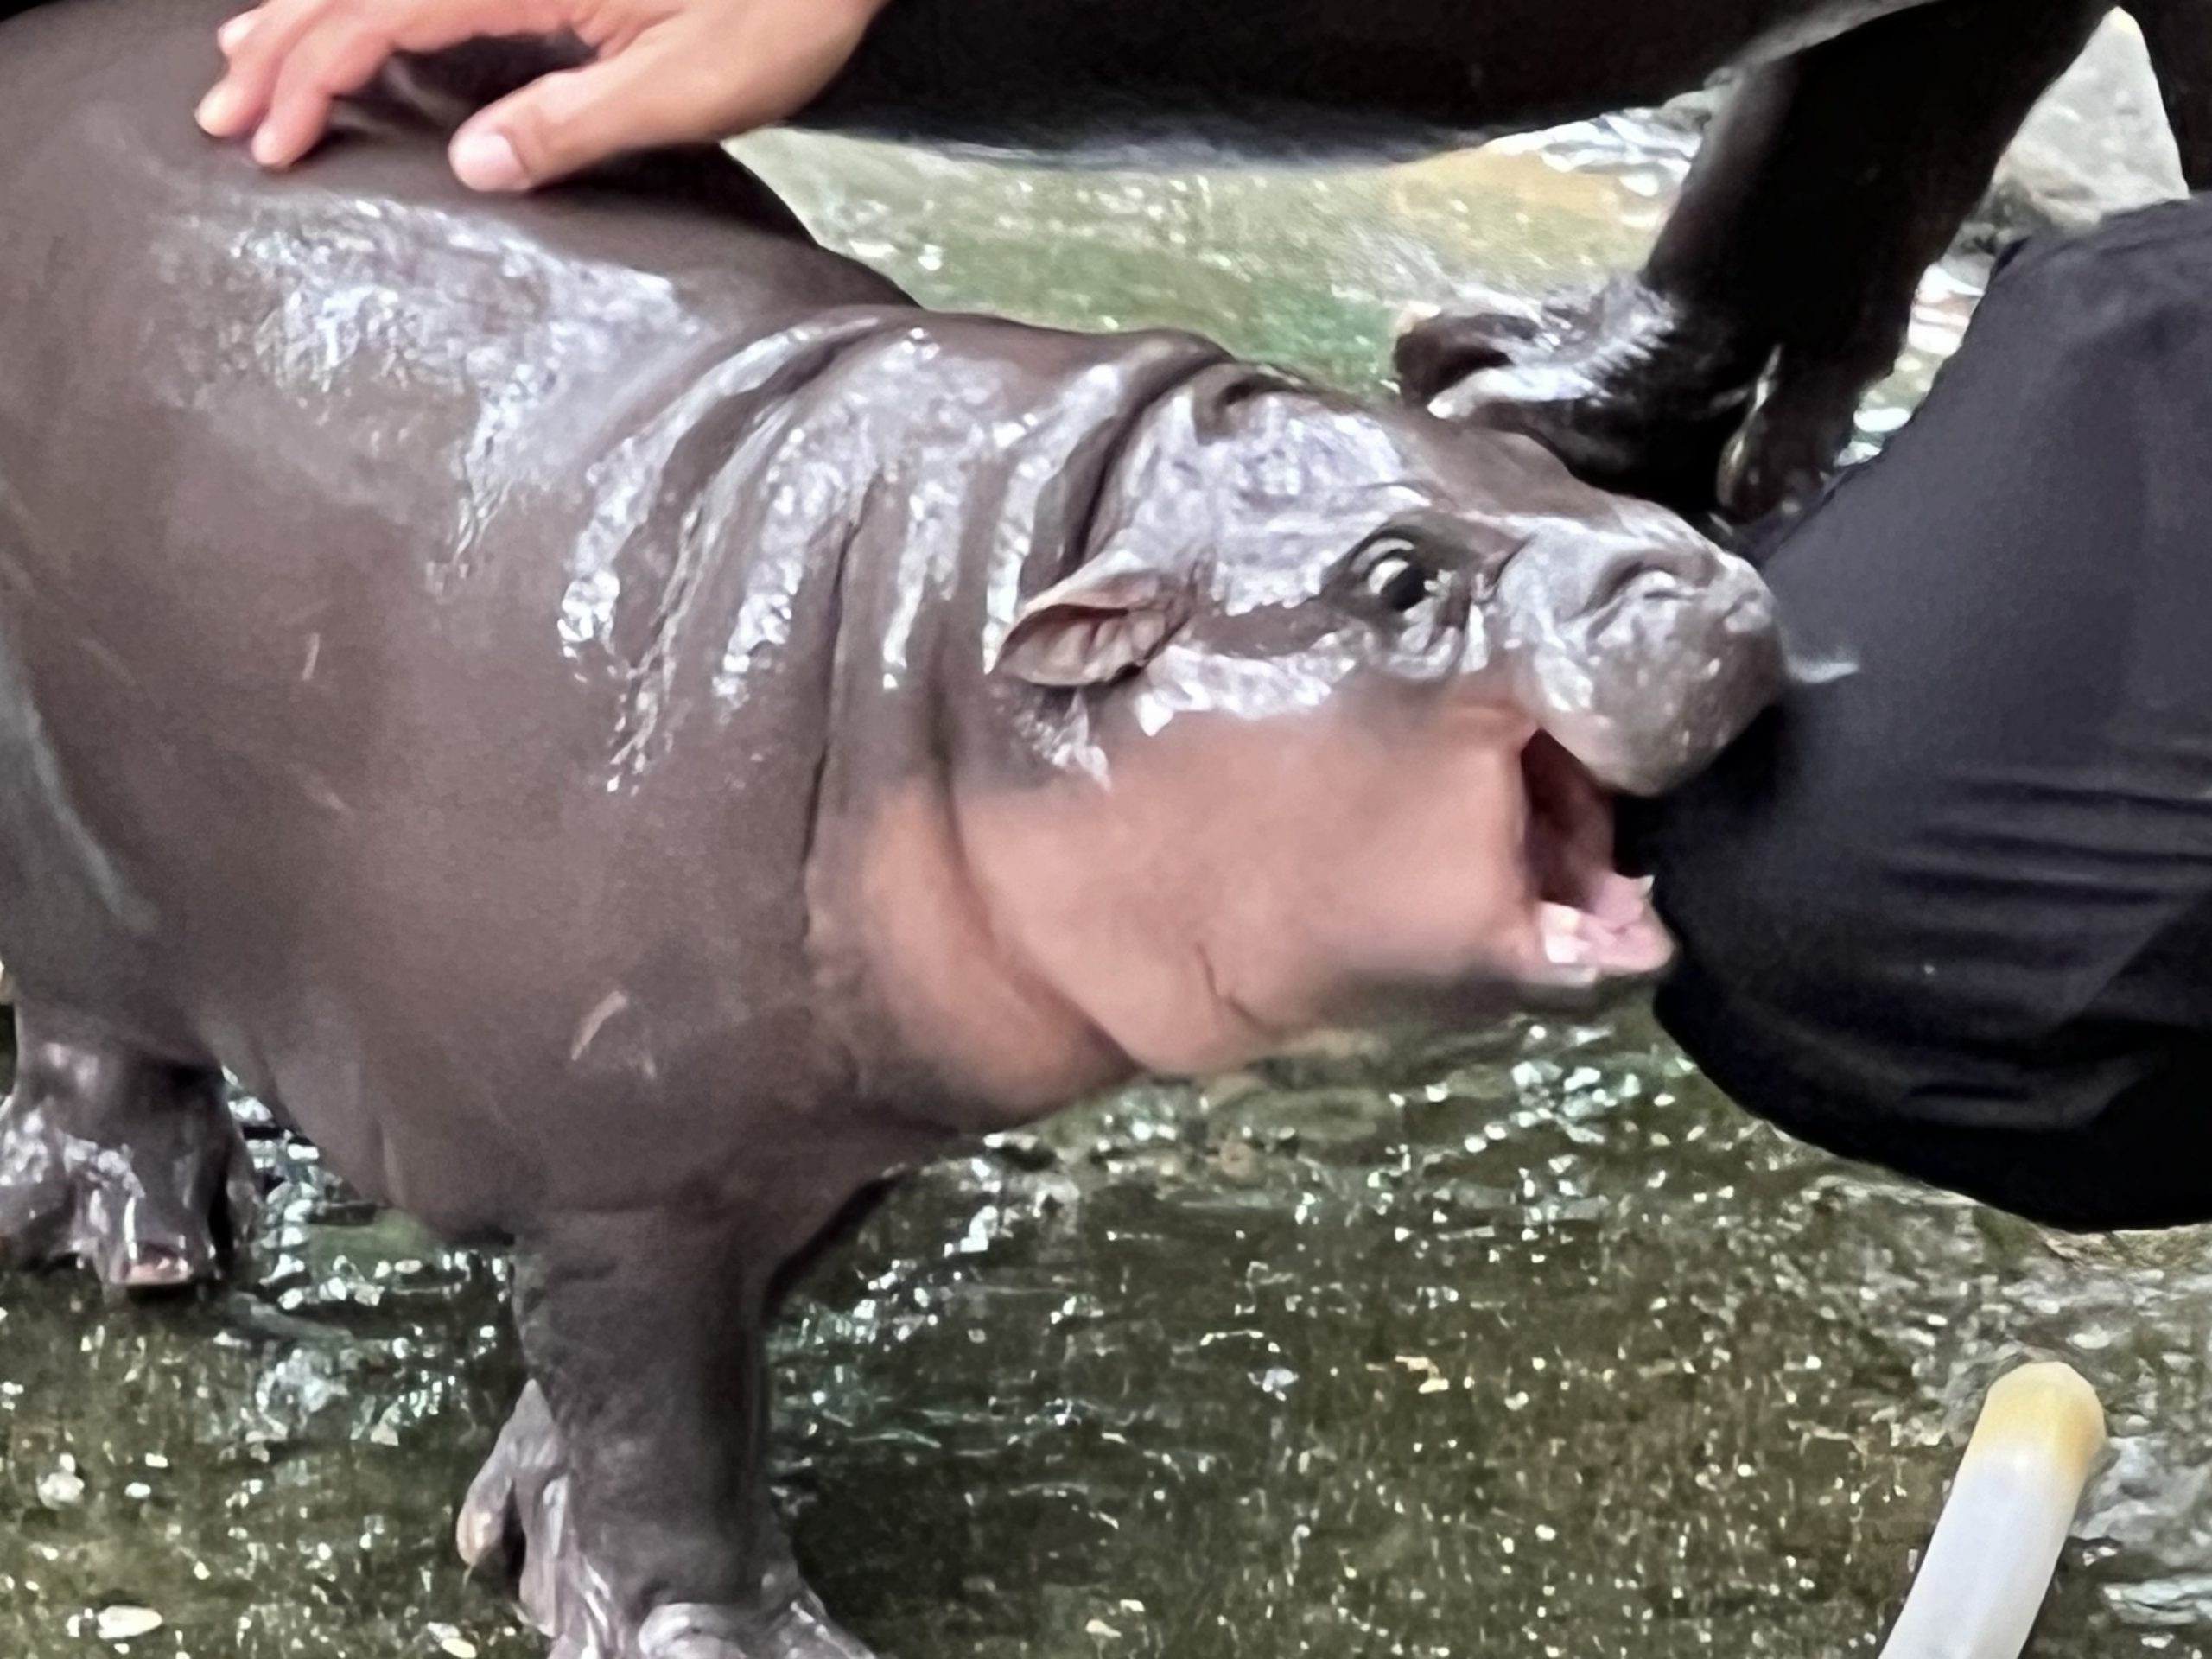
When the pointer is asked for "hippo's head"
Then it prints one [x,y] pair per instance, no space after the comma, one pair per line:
[1351,690]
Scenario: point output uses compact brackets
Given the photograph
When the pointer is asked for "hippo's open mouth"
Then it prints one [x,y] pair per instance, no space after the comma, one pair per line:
[1594,923]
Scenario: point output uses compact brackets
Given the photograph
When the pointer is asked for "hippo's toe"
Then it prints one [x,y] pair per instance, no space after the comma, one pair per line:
[801,1630]
[519,1520]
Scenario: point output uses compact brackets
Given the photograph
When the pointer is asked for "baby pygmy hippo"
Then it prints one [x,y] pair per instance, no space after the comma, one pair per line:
[627,732]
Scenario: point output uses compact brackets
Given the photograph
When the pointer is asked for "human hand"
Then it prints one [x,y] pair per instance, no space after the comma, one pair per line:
[664,72]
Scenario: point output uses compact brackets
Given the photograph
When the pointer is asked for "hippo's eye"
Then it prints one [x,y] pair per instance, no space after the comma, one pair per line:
[1396,577]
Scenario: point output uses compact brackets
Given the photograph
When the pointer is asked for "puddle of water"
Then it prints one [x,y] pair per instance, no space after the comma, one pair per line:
[1536,1348]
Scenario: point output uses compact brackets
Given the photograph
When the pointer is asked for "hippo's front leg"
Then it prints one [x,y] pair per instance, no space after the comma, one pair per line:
[125,1162]
[630,1489]
[1822,192]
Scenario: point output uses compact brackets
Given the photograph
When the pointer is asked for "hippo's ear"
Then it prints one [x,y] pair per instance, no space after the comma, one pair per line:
[1107,619]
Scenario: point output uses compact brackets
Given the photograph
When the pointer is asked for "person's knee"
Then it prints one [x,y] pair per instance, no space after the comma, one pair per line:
[2141,1160]
[2075,1185]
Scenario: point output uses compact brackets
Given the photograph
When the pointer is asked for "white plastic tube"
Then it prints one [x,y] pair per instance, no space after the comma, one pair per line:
[1996,1545]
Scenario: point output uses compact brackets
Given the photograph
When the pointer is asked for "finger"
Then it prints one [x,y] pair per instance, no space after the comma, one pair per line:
[325,66]
[572,119]
[301,55]
[233,35]
[241,99]
[668,87]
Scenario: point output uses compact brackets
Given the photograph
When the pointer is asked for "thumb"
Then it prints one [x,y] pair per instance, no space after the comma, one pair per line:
[572,119]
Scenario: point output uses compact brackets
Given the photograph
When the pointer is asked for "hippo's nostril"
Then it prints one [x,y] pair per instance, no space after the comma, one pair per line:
[1663,567]
[1648,578]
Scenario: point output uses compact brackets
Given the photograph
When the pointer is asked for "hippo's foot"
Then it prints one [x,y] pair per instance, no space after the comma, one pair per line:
[1633,390]
[129,1165]
[519,1519]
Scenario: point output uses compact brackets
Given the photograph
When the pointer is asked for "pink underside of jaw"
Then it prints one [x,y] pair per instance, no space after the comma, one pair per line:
[1591,921]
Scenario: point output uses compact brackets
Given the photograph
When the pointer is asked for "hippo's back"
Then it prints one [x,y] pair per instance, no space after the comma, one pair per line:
[353,606]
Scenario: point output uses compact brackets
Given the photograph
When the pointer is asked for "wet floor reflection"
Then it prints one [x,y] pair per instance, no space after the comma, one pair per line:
[1544,1351]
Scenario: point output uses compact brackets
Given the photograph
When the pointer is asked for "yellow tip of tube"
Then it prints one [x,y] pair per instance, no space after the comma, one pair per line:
[2047,1406]
[1989,1565]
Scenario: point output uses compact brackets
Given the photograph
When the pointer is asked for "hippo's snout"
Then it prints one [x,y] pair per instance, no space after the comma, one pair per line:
[1642,648]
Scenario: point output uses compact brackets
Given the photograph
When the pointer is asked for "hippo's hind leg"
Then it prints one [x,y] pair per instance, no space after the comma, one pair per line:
[1822,191]
[629,1492]
[128,1164]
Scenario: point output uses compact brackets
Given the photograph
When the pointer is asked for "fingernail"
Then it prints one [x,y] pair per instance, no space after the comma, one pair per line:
[486,160]
[218,112]
[231,34]
[265,150]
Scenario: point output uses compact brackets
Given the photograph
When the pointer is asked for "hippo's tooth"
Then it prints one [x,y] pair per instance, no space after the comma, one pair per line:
[1583,945]
[1566,942]
[1560,925]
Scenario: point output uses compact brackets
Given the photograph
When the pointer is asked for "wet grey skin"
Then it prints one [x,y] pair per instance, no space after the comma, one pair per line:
[629,734]
[1727,370]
